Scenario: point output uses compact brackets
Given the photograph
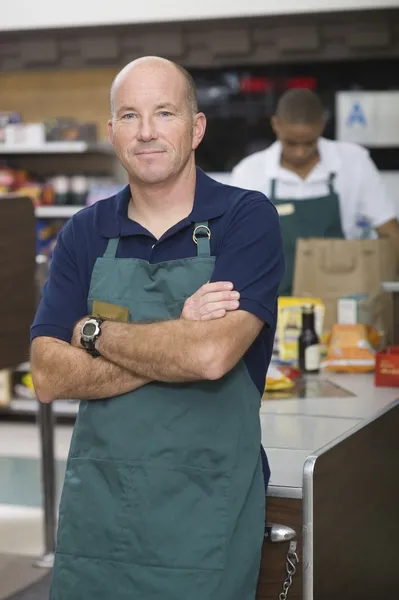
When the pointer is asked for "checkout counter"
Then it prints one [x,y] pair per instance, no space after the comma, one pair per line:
[333,449]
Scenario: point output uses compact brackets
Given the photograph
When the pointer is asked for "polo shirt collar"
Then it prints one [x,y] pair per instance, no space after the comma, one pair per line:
[209,202]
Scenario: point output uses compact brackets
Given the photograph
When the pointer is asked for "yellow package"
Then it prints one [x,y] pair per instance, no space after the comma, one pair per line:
[350,349]
[289,324]
[276,380]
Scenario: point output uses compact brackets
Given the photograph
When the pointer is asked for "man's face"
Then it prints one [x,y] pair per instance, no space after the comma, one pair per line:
[299,142]
[153,129]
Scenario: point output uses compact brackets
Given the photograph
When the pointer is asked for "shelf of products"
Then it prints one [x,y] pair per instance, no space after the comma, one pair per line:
[26,406]
[17,395]
[56,212]
[22,368]
[62,147]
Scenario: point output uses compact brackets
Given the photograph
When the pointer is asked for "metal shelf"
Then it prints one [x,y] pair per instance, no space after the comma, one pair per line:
[29,406]
[22,368]
[63,408]
[56,212]
[56,148]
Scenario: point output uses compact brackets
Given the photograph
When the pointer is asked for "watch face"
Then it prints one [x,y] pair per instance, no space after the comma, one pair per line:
[89,329]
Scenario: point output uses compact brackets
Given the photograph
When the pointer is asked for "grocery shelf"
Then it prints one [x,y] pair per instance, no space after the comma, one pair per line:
[29,406]
[55,148]
[56,212]
[22,367]
[62,408]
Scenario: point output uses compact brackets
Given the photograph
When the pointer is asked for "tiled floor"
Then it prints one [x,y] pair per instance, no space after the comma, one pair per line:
[21,517]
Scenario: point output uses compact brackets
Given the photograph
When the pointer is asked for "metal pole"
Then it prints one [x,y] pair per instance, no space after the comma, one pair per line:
[46,426]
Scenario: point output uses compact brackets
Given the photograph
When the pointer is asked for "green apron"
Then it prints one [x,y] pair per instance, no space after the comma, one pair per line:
[164,497]
[313,217]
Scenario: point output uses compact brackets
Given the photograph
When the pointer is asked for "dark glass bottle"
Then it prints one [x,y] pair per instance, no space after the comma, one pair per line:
[308,342]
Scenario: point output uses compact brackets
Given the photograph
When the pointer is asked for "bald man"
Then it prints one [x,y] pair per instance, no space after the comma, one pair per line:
[159,316]
[321,188]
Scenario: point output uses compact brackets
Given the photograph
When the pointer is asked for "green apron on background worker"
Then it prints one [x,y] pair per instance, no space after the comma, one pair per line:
[311,217]
[164,493]
[304,163]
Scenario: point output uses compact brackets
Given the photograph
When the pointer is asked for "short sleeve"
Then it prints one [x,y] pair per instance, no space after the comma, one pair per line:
[64,300]
[251,255]
[374,201]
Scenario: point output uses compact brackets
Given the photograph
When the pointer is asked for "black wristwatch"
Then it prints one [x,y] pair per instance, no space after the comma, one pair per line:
[91,331]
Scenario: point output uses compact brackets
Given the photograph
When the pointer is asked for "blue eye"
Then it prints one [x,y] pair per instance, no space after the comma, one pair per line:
[165,113]
[128,116]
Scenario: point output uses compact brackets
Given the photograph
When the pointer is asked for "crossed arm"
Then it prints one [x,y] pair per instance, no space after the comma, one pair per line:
[178,351]
[201,345]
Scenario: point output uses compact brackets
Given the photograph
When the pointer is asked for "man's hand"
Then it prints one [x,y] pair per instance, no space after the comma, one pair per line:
[211,301]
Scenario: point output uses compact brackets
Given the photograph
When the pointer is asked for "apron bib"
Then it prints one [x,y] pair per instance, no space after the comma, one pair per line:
[313,217]
[164,496]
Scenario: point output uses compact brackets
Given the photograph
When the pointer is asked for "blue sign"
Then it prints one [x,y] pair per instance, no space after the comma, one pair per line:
[356,115]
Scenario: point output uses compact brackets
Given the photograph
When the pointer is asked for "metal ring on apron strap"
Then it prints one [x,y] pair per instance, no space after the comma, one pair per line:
[207,230]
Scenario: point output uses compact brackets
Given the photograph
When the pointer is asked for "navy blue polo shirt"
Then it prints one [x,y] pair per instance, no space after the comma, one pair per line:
[245,241]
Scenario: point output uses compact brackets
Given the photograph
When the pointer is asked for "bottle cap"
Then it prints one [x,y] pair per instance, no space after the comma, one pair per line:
[307,308]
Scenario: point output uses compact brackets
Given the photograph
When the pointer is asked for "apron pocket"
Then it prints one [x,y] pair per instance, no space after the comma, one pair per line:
[94,509]
[178,516]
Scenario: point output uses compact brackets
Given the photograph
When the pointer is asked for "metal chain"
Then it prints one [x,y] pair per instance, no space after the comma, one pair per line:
[290,566]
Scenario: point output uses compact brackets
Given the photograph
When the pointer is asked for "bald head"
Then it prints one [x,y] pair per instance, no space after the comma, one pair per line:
[300,107]
[162,65]
[155,126]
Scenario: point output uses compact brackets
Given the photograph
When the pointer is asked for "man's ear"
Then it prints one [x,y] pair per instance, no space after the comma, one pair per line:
[110,131]
[275,124]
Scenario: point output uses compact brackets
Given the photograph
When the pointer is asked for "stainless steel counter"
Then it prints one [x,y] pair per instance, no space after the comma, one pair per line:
[294,428]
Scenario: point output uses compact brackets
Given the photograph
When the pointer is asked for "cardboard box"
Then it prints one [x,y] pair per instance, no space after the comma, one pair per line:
[387,367]
[67,130]
[353,310]
[24,134]
[6,118]
[289,324]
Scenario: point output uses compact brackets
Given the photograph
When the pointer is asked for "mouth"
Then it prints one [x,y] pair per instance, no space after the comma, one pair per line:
[149,152]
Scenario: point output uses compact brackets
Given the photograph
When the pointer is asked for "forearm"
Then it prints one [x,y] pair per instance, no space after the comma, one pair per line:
[170,351]
[61,371]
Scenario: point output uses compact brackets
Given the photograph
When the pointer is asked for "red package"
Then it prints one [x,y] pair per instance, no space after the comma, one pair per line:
[387,367]
[289,372]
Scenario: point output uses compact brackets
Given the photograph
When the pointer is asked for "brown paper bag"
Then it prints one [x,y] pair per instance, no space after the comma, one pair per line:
[332,268]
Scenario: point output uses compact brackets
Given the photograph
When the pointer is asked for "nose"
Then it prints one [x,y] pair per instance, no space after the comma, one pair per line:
[147,131]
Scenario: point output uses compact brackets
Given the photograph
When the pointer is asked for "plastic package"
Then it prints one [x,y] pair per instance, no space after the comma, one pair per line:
[351,349]
[276,380]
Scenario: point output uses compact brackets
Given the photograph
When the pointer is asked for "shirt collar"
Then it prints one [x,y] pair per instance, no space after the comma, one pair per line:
[330,157]
[209,202]
[272,157]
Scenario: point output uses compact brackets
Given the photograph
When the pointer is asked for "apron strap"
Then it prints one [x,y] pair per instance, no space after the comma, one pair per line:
[202,236]
[273,190]
[331,183]
[112,247]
